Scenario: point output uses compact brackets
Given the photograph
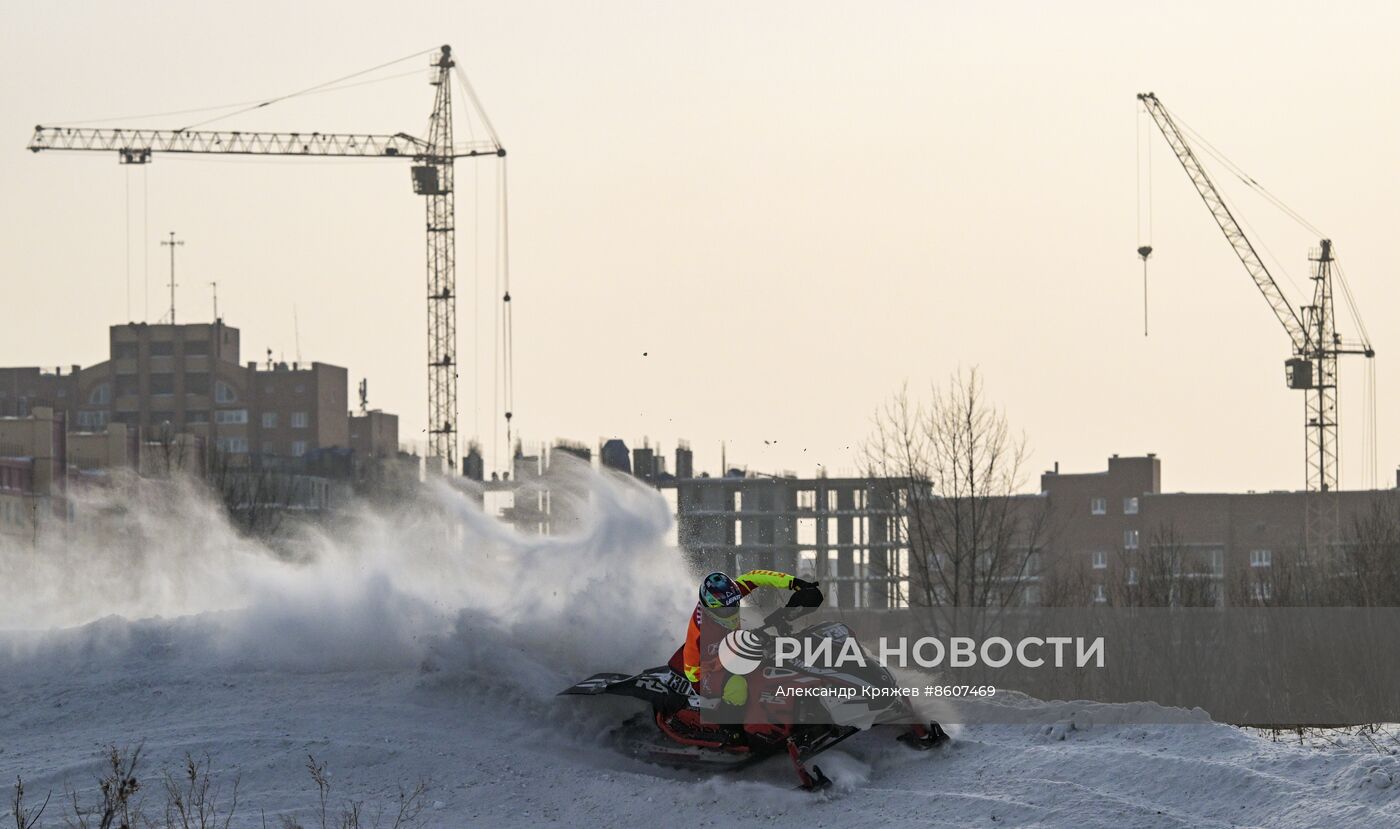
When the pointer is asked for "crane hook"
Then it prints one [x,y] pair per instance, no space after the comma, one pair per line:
[1145,251]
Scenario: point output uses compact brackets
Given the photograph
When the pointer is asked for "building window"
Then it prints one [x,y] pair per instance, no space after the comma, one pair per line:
[92,421]
[301,388]
[128,386]
[197,383]
[1130,506]
[1130,539]
[1261,591]
[162,349]
[300,420]
[125,351]
[196,348]
[1261,558]
[269,420]
[1098,506]
[1100,559]
[298,448]
[235,446]
[1100,595]
[231,416]
[163,384]
[101,394]
[196,416]
[1132,576]
[223,392]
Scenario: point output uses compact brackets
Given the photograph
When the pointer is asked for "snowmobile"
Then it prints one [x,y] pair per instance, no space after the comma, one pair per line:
[799,710]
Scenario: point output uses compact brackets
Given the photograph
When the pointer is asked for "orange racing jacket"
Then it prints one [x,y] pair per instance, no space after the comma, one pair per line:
[700,653]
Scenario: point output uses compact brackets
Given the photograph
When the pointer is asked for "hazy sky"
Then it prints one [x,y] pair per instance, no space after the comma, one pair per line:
[790,208]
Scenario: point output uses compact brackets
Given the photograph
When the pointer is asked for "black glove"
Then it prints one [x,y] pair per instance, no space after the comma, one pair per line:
[799,584]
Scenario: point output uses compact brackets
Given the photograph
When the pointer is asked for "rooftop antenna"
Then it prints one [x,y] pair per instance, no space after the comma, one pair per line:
[364,395]
[215,287]
[172,244]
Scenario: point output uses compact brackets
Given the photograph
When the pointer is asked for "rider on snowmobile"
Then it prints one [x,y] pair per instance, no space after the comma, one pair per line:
[716,614]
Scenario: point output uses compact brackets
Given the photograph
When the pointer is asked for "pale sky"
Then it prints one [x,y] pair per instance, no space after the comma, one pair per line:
[791,208]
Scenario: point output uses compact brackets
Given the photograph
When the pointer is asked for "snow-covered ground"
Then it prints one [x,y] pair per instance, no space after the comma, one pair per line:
[429,645]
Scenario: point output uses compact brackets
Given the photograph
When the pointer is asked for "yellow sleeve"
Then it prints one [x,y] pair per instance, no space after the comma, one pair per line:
[765,578]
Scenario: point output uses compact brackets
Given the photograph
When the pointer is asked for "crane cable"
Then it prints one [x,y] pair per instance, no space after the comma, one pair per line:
[231,104]
[310,89]
[145,242]
[127,202]
[1144,247]
[1249,181]
[476,105]
[507,320]
[496,337]
[1370,444]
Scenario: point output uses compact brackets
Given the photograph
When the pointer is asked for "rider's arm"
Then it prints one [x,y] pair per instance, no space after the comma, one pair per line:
[764,578]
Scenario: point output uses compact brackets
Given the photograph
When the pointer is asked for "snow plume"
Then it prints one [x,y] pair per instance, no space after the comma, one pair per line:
[379,589]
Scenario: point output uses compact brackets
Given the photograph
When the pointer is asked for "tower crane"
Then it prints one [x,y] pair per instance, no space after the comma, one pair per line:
[432,161]
[1311,329]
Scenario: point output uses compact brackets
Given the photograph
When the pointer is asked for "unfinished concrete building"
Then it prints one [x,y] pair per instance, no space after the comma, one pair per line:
[843,531]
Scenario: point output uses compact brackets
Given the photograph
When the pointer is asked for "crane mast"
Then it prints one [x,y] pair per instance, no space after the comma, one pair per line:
[432,178]
[433,160]
[1311,331]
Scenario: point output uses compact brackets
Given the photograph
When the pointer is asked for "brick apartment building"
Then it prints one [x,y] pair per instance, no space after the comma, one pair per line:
[163,380]
[1106,522]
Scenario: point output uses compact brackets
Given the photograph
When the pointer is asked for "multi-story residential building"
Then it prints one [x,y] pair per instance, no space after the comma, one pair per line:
[160,381]
[1110,525]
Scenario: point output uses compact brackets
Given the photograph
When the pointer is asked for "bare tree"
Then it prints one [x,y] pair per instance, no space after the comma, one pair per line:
[1166,572]
[120,808]
[192,799]
[256,496]
[172,452]
[973,542]
[1370,568]
[1361,570]
[26,817]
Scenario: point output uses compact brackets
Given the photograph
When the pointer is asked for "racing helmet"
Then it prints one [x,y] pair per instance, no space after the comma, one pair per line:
[720,594]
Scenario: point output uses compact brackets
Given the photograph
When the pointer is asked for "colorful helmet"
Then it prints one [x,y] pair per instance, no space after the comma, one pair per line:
[719,590]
